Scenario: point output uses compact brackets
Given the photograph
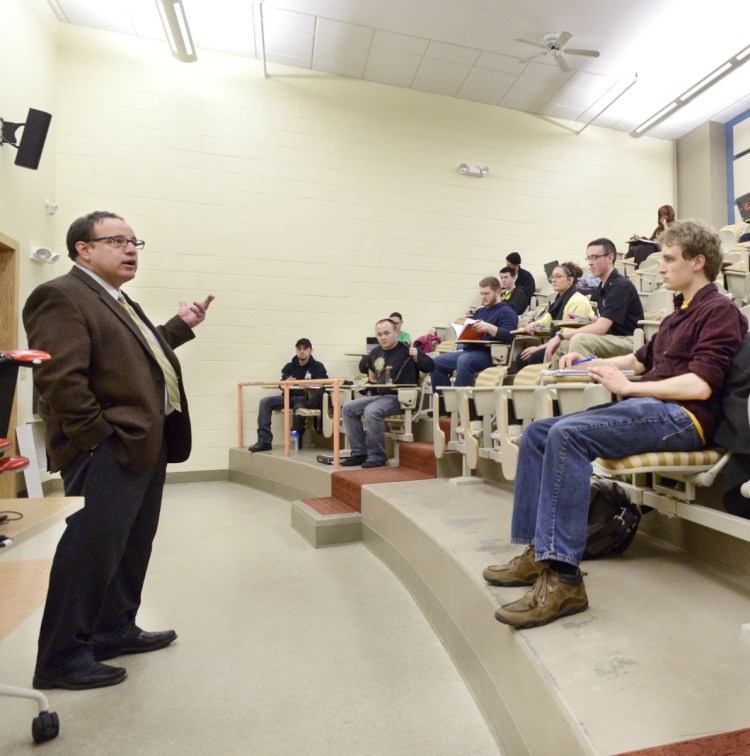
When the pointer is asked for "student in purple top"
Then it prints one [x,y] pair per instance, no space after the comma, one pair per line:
[673,407]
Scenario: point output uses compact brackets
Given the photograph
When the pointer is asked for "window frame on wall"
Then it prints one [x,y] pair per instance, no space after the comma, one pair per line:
[732,158]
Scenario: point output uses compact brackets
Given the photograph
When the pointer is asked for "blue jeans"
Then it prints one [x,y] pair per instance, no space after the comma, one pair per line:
[466,364]
[374,409]
[270,403]
[553,480]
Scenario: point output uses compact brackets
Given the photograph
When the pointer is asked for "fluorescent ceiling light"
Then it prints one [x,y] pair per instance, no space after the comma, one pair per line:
[176,28]
[690,94]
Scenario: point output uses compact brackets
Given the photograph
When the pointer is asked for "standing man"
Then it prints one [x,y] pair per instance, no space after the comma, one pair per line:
[495,321]
[303,367]
[674,407]
[524,279]
[115,412]
[619,309]
[514,296]
[390,363]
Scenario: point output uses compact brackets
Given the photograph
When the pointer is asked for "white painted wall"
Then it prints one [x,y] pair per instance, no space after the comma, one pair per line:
[311,205]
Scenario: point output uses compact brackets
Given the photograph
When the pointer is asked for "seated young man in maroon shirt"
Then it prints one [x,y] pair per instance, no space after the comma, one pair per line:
[673,407]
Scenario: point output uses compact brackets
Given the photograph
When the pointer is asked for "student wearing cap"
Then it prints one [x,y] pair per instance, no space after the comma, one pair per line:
[524,279]
[303,367]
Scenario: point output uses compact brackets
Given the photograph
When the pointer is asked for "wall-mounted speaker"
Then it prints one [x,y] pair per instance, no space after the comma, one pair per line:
[32,139]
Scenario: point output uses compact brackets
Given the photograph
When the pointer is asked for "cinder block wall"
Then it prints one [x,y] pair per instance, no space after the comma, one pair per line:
[312,205]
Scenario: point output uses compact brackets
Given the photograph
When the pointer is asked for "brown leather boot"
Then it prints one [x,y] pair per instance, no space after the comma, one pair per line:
[521,570]
[553,596]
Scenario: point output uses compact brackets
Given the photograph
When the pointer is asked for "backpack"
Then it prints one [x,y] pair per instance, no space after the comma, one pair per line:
[613,520]
[427,343]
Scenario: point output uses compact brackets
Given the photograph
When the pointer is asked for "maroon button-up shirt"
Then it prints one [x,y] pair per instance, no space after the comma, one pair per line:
[700,339]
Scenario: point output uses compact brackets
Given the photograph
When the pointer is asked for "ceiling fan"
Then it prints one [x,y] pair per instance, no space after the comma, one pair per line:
[554,43]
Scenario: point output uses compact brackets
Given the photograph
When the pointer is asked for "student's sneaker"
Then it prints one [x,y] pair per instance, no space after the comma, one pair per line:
[521,570]
[552,597]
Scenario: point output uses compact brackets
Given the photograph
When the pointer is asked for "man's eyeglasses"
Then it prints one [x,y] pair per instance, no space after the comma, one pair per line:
[591,258]
[119,241]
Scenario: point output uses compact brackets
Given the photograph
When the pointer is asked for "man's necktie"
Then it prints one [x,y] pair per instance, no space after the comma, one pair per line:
[170,376]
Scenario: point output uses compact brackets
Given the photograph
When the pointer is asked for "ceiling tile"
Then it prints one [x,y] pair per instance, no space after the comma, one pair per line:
[358,35]
[342,53]
[393,62]
[452,53]
[383,77]
[401,43]
[338,68]
[275,18]
[494,81]
[436,87]
[502,63]
[478,95]
[547,72]
[289,43]
[535,88]
[556,110]
[441,70]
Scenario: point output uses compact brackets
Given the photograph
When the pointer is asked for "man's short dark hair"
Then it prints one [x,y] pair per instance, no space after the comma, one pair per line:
[490,281]
[513,257]
[396,315]
[606,244]
[695,238]
[82,228]
[508,269]
[386,320]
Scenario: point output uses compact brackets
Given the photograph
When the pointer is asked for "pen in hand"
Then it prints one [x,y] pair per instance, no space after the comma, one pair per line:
[580,362]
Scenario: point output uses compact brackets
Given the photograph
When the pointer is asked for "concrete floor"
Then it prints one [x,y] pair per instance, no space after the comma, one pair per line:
[282,649]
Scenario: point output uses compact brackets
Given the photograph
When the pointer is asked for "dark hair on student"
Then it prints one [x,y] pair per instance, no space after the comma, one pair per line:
[606,244]
[386,320]
[490,281]
[571,270]
[508,269]
[695,238]
[396,315]
[82,228]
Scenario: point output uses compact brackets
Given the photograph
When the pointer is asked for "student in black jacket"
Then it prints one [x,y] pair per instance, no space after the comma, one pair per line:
[390,363]
[303,367]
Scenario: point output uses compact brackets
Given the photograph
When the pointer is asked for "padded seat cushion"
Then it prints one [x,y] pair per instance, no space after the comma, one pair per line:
[682,462]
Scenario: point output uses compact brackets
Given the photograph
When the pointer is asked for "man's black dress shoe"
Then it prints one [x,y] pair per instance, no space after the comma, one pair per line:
[94,676]
[355,459]
[137,641]
[260,446]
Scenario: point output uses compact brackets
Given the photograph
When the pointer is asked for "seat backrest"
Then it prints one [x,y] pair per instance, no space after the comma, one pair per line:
[492,376]
[531,375]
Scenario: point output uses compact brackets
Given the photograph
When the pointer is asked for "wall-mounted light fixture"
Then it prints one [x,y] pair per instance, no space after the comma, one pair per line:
[473,170]
[32,139]
[43,255]
[176,28]
[727,67]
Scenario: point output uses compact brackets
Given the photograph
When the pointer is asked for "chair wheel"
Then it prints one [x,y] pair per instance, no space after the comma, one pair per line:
[45,727]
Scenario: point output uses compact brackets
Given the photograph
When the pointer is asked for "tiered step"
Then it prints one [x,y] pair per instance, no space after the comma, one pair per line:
[336,518]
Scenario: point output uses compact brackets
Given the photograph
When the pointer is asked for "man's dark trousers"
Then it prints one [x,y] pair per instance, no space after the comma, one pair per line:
[100,564]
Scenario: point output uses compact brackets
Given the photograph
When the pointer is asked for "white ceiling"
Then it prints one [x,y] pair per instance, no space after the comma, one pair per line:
[467,49]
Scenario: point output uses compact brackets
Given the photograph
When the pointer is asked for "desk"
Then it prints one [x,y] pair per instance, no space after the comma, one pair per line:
[285,386]
[38,515]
